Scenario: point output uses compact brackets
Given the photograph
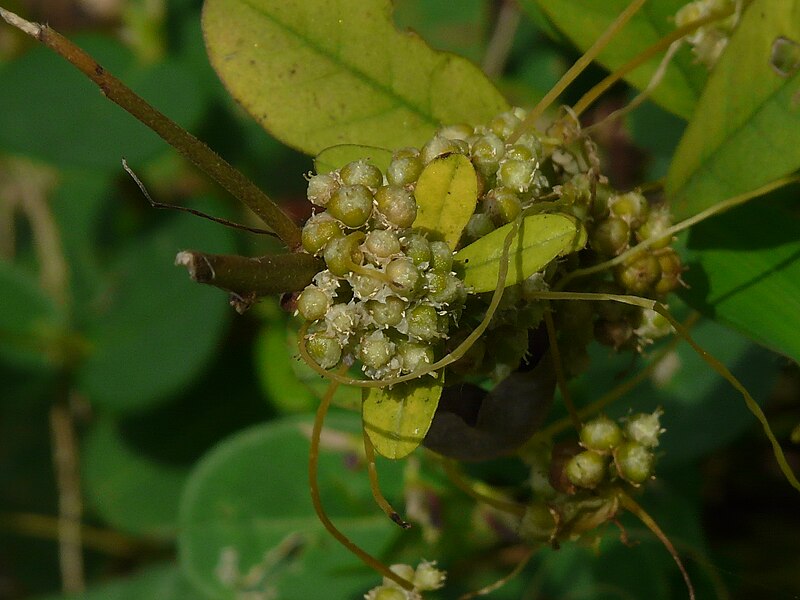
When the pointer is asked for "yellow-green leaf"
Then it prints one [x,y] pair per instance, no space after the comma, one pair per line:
[336,157]
[397,419]
[446,194]
[540,239]
[317,73]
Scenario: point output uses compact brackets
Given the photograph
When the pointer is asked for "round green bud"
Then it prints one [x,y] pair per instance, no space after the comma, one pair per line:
[404,275]
[639,274]
[397,205]
[342,253]
[387,592]
[503,205]
[603,194]
[318,231]
[601,434]
[644,428]
[375,350]
[404,571]
[417,248]
[479,225]
[423,322]
[655,228]
[366,284]
[615,334]
[351,204]
[538,524]
[632,207]
[504,124]
[652,325]
[441,257]
[516,174]
[325,350]
[460,131]
[671,270]
[586,470]
[388,313]
[404,170]
[438,146]
[414,355]
[444,288]
[520,152]
[634,462]
[321,188]
[486,153]
[361,172]
[382,243]
[313,303]
[610,237]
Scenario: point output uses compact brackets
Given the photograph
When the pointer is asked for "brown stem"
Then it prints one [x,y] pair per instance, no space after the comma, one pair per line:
[184,142]
[242,275]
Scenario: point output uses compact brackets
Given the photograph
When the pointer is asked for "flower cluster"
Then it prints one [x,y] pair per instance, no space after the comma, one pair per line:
[709,41]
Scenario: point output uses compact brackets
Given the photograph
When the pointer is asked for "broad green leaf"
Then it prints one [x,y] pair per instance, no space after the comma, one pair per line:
[540,239]
[154,329]
[71,123]
[316,73]
[247,508]
[336,157]
[30,324]
[750,281]
[746,130]
[162,582]
[397,418]
[128,489]
[446,194]
[583,21]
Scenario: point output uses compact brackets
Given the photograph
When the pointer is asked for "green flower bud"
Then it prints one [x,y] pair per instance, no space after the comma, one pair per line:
[503,125]
[428,577]
[318,231]
[313,303]
[639,274]
[671,270]
[444,288]
[601,434]
[503,205]
[351,204]
[632,207]
[361,172]
[386,592]
[586,470]
[404,571]
[441,257]
[388,313]
[414,355]
[321,188]
[397,206]
[375,350]
[436,147]
[538,524]
[634,462]
[417,248]
[423,322]
[342,253]
[382,243]
[479,225]
[516,174]
[325,350]
[404,275]
[655,227]
[610,237]
[404,170]
[487,151]
[644,428]
[460,131]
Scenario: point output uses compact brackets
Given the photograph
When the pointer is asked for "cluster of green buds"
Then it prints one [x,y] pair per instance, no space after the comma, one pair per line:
[575,485]
[709,41]
[426,577]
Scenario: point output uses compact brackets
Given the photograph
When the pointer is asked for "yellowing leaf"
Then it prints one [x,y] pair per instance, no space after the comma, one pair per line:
[336,157]
[317,73]
[397,419]
[540,239]
[446,194]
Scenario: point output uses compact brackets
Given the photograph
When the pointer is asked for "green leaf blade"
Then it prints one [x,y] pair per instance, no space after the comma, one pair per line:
[540,239]
[397,418]
[744,133]
[446,194]
[317,74]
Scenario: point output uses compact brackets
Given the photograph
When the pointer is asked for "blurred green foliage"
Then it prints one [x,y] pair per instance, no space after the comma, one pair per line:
[193,421]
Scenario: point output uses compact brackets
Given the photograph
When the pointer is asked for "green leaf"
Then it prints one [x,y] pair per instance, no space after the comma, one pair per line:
[30,323]
[60,116]
[163,582]
[247,507]
[127,489]
[583,21]
[154,329]
[540,239]
[397,418]
[446,194]
[336,157]
[316,73]
[746,130]
[752,281]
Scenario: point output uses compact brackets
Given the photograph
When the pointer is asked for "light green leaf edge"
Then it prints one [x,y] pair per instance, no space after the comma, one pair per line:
[397,419]
[316,73]
[746,129]
[540,239]
[583,21]
[446,194]
[335,157]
